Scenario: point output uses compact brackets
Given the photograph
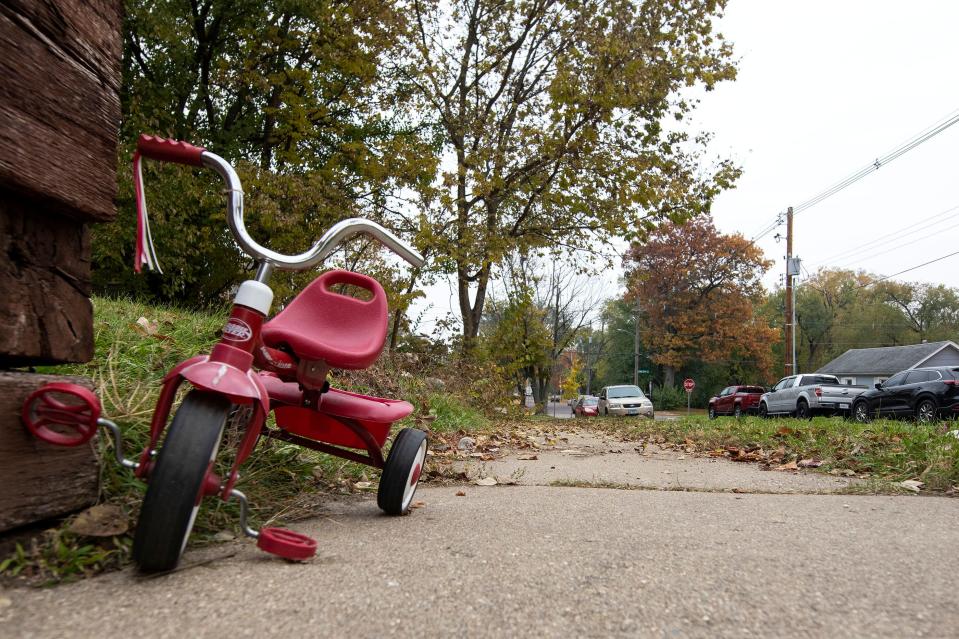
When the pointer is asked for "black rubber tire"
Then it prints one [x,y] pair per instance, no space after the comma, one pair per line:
[738,411]
[927,411]
[712,412]
[802,410]
[173,491]
[860,412]
[763,411]
[408,450]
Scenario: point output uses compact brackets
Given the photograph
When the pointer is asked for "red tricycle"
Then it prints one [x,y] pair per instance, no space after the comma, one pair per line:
[258,366]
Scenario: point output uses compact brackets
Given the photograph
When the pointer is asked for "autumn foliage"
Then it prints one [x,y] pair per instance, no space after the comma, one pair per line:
[698,290]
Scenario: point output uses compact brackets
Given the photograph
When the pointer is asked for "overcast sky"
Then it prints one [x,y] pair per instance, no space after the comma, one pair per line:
[824,89]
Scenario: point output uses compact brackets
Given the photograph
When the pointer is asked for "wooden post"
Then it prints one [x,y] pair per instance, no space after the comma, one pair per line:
[788,324]
[59,117]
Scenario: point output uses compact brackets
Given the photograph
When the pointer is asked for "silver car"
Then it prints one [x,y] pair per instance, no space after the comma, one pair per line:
[624,400]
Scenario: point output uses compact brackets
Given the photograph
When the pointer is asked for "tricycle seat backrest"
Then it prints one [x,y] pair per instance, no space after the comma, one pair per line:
[322,324]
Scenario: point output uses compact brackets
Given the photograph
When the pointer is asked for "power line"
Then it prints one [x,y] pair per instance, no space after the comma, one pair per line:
[902,245]
[769,228]
[912,268]
[897,152]
[896,235]
[923,136]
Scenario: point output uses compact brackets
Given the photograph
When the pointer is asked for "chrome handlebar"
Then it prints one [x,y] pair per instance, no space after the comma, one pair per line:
[337,234]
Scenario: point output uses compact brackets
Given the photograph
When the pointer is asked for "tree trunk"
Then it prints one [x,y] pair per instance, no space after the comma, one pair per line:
[472,313]
[669,376]
[541,393]
[398,314]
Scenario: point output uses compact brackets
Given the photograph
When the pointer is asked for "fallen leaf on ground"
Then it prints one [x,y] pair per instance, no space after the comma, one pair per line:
[362,484]
[147,327]
[912,484]
[810,463]
[790,466]
[102,520]
[417,504]
[461,493]
[783,430]
[485,481]
[528,457]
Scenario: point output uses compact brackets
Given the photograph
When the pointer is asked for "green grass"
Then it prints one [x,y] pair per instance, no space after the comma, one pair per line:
[451,415]
[885,450]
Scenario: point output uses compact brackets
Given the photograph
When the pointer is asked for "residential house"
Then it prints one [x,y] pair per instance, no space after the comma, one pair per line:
[868,366]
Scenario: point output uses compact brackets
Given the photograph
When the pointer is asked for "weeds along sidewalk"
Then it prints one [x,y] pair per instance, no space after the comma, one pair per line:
[887,452]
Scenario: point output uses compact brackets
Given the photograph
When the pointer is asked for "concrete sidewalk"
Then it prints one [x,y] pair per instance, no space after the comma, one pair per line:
[534,561]
[588,458]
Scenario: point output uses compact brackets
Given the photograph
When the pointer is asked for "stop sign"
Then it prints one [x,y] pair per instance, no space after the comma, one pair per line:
[689,384]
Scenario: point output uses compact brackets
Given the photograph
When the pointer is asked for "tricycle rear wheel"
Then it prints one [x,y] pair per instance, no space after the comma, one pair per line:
[401,474]
[175,487]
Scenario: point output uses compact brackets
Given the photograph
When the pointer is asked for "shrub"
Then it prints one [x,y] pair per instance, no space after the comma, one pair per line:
[668,397]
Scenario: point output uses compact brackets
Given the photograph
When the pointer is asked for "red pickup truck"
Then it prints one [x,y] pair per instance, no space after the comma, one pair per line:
[736,400]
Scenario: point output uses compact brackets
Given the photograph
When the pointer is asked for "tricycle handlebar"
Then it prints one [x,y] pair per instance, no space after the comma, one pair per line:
[337,234]
[166,150]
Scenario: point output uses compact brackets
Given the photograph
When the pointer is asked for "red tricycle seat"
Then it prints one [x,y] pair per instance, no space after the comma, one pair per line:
[319,324]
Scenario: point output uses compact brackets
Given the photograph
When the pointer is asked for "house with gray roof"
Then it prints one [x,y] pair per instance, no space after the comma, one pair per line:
[868,366]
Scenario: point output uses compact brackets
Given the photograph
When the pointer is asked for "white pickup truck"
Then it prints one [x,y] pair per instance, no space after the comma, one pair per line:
[808,395]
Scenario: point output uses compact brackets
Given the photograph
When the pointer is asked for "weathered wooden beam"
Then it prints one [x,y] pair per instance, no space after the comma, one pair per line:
[39,481]
[59,103]
[45,310]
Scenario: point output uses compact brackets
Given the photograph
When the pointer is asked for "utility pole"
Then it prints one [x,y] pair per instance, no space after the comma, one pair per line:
[636,345]
[788,324]
[589,371]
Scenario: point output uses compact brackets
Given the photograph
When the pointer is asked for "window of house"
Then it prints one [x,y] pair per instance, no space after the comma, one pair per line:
[848,381]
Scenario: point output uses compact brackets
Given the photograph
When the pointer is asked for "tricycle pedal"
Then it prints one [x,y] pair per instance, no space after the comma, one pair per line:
[287,544]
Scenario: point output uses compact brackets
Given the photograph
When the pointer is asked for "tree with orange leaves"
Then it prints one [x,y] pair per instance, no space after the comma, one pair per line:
[698,290]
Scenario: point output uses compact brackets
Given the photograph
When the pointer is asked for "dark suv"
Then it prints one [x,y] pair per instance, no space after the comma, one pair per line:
[924,393]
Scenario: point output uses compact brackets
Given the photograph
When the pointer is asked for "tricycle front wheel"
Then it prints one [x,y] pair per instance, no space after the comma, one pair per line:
[175,487]
[401,474]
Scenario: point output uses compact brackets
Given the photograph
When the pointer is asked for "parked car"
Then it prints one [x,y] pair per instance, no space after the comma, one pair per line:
[624,400]
[587,406]
[808,395]
[736,400]
[924,393]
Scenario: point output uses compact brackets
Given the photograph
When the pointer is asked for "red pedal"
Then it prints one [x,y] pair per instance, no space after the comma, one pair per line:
[62,414]
[286,543]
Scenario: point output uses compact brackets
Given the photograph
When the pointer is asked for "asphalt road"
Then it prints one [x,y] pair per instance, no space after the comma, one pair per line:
[541,560]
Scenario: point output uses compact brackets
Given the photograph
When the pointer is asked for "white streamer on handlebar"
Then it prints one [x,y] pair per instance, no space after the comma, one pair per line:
[145,251]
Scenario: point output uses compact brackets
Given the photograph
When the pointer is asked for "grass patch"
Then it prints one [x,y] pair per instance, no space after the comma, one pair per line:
[888,451]
[451,415]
